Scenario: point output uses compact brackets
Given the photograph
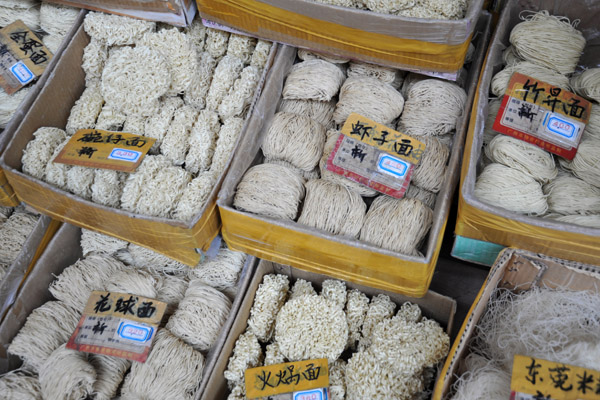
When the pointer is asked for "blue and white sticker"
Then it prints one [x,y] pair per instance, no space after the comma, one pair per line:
[313,394]
[136,332]
[22,73]
[125,155]
[393,166]
[560,126]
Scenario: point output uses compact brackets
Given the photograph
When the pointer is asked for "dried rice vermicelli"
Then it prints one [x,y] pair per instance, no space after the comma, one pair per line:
[33,348]
[270,190]
[368,97]
[247,353]
[357,304]
[216,42]
[84,113]
[429,174]
[159,196]
[20,385]
[95,242]
[311,327]
[134,79]
[195,196]
[107,187]
[425,196]
[180,54]
[260,56]
[570,195]
[301,84]
[501,79]
[222,272]
[228,136]
[135,181]
[380,309]
[110,119]
[80,181]
[296,139]
[586,163]
[115,29]
[587,84]
[176,142]
[224,76]
[268,300]
[333,208]
[237,101]
[511,189]
[135,282]
[142,257]
[201,81]
[9,104]
[335,291]
[75,284]
[320,111]
[57,19]
[56,173]
[384,74]
[13,234]
[200,316]
[109,375]
[434,107]
[38,151]
[523,156]
[403,238]
[67,375]
[306,55]
[241,46]
[548,40]
[483,381]
[171,372]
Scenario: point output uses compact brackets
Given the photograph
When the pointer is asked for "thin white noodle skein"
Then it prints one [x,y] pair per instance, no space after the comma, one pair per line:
[501,79]
[313,80]
[570,195]
[591,221]
[511,189]
[295,138]
[586,163]
[587,84]
[397,225]
[433,108]
[271,190]
[548,40]
[333,208]
[67,375]
[525,157]
[429,174]
[488,131]
[592,129]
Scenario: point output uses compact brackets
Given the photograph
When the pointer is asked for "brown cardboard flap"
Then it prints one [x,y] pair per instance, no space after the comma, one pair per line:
[433,305]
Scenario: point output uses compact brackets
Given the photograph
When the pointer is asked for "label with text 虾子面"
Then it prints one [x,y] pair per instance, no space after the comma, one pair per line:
[118,324]
[95,148]
[544,115]
[23,56]
[301,379]
[537,379]
[375,156]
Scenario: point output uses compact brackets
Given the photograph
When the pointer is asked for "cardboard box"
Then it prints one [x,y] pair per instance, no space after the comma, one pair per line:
[63,251]
[517,270]
[19,270]
[433,305]
[174,12]
[406,43]
[8,197]
[318,251]
[478,220]
[179,240]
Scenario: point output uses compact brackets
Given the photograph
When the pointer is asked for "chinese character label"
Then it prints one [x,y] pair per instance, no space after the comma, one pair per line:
[294,377]
[118,324]
[537,379]
[375,156]
[96,148]
[546,116]
[23,56]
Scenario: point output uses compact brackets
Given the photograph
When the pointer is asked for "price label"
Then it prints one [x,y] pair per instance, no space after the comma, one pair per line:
[537,379]
[376,156]
[96,148]
[118,324]
[539,113]
[23,56]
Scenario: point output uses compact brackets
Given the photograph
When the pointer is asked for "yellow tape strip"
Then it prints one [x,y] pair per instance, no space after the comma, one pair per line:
[8,198]
[275,23]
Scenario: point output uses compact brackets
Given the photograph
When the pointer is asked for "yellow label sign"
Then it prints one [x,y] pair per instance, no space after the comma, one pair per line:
[286,378]
[96,148]
[23,56]
[384,138]
[534,378]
